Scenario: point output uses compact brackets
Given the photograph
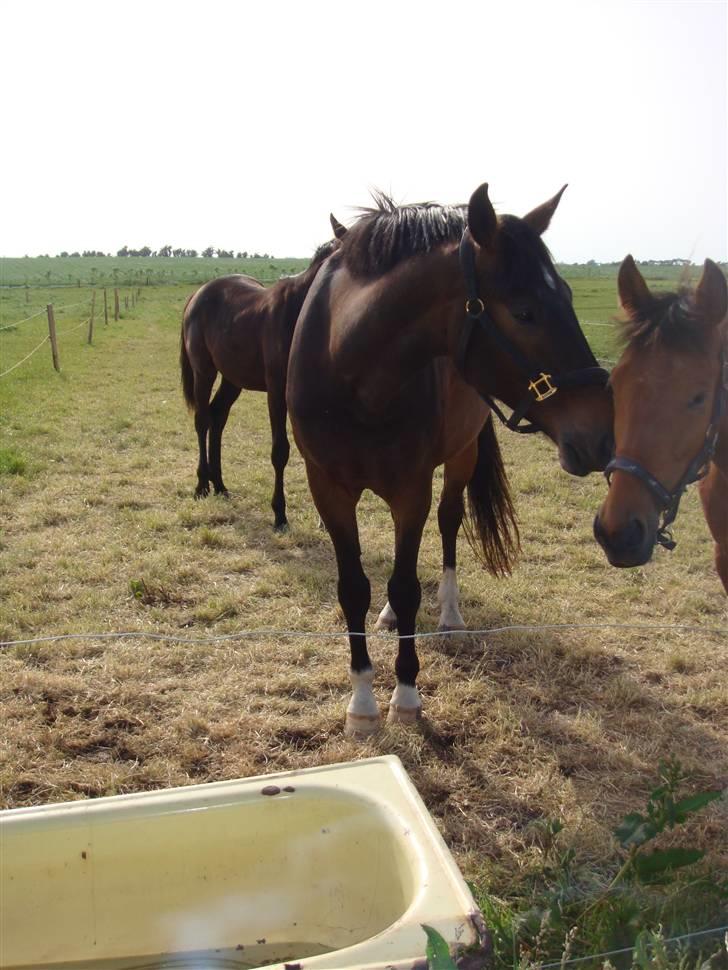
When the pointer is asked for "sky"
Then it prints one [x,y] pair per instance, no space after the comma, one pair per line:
[241,125]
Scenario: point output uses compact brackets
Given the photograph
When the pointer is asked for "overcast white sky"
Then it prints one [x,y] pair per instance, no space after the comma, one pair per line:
[242,125]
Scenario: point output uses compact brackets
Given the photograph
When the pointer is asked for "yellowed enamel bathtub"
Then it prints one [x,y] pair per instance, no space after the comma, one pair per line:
[332,867]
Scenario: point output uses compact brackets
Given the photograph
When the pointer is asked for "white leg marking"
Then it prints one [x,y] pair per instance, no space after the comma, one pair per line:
[447,597]
[405,706]
[362,714]
[387,619]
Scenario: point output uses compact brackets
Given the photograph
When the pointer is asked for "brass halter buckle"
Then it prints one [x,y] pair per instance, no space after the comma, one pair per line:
[542,387]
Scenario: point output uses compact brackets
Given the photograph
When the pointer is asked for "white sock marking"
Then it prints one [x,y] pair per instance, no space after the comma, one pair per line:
[387,619]
[406,698]
[447,597]
[363,703]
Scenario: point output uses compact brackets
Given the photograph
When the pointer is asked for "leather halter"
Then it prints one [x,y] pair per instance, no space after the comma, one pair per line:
[668,502]
[541,385]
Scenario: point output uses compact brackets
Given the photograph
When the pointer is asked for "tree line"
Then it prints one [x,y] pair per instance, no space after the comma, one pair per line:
[168,251]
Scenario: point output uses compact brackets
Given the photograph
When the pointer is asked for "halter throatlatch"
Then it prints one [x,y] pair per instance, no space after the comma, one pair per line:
[668,502]
[541,385]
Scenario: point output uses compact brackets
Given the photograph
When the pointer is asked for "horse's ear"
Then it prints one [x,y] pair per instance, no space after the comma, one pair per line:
[482,220]
[711,293]
[634,295]
[540,217]
[339,230]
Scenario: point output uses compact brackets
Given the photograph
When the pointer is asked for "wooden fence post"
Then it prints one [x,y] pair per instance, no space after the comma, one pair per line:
[91,321]
[106,308]
[52,333]
[116,304]
[27,298]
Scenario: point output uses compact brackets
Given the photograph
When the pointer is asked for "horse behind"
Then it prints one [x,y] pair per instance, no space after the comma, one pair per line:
[671,417]
[422,318]
[236,327]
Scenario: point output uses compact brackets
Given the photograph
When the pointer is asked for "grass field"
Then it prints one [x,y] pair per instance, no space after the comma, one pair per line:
[100,534]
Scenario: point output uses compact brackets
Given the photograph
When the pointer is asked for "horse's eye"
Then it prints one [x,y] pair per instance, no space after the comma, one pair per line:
[523,316]
[698,401]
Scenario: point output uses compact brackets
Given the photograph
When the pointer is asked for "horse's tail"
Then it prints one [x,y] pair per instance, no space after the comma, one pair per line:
[188,375]
[490,526]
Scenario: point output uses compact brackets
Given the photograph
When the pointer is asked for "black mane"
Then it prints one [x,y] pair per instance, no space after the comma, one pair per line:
[385,235]
[671,319]
[323,252]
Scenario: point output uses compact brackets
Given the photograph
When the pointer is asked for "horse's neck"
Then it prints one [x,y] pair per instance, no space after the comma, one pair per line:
[289,294]
[410,318]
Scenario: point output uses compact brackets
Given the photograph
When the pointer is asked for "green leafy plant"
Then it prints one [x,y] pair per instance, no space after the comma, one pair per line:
[437,952]
[644,892]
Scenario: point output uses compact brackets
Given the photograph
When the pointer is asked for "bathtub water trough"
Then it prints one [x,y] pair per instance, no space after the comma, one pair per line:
[330,868]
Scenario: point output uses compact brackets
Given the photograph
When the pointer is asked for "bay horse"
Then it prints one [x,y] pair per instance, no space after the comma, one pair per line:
[236,327]
[423,317]
[671,417]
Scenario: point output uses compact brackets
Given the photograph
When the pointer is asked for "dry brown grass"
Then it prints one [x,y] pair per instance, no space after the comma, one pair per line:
[519,726]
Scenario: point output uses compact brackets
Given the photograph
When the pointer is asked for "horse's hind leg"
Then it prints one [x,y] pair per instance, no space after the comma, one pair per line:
[714,496]
[410,512]
[202,389]
[280,451]
[337,508]
[450,512]
[227,394]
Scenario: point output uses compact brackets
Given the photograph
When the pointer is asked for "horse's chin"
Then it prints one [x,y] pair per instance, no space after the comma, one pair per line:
[572,461]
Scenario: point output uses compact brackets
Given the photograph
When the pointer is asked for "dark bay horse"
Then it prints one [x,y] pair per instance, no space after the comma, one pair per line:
[424,316]
[671,417]
[236,327]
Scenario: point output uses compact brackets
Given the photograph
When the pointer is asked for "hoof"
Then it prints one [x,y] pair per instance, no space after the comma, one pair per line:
[222,492]
[281,527]
[361,725]
[403,715]
[452,628]
[201,493]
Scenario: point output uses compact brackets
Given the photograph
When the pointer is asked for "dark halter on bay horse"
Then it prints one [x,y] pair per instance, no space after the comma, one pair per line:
[541,385]
[405,382]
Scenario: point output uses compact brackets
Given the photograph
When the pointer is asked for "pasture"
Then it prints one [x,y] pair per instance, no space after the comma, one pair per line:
[101,535]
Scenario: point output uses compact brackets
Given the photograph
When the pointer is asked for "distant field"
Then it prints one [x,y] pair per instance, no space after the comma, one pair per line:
[136,270]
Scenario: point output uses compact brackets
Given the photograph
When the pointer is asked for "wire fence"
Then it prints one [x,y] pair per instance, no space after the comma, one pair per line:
[53,335]
[269,632]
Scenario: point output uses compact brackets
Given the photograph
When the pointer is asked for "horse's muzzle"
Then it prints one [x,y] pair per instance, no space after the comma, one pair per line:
[632,545]
[579,455]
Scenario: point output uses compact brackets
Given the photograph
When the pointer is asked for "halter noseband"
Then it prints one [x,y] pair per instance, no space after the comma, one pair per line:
[668,502]
[541,385]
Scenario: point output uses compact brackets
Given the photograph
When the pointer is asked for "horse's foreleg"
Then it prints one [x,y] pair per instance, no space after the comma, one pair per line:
[337,508]
[227,395]
[410,514]
[714,496]
[280,451]
[450,512]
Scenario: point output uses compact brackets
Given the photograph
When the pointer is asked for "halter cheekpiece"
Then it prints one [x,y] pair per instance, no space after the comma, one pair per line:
[541,385]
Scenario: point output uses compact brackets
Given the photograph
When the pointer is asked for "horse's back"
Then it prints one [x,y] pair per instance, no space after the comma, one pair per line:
[223,327]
